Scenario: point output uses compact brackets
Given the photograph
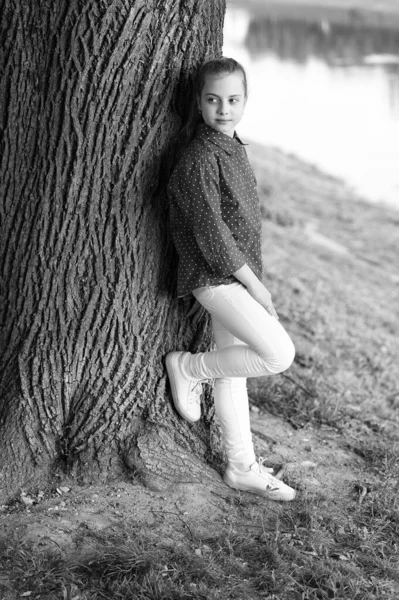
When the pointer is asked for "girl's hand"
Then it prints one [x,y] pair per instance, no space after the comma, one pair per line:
[264,297]
[256,288]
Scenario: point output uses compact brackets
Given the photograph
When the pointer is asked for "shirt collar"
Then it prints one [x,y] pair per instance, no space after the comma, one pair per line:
[227,143]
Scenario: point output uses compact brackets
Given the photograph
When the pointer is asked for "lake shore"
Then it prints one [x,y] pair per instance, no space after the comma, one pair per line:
[331,263]
[361,13]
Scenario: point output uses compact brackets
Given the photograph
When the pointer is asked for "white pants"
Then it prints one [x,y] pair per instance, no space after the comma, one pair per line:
[250,343]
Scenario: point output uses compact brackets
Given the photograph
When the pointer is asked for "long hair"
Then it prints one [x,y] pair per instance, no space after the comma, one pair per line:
[216,67]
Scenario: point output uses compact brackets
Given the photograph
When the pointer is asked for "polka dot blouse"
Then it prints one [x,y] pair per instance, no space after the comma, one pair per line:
[214,211]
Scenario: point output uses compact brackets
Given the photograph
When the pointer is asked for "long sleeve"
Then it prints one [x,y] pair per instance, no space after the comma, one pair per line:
[200,202]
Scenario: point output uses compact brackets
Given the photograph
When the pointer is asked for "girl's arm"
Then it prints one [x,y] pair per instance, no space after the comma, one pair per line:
[256,288]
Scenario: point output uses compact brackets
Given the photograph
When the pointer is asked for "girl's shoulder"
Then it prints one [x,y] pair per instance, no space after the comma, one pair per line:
[201,146]
[199,154]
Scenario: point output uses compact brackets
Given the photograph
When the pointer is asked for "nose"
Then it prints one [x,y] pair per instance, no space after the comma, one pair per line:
[223,108]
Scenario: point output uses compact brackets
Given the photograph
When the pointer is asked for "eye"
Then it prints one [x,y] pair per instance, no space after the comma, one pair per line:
[212,100]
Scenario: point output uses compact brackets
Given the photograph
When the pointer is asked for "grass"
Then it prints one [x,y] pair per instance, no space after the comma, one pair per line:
[305,552]
[342,311]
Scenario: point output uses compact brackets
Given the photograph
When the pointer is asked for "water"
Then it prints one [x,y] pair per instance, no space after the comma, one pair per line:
[327,92]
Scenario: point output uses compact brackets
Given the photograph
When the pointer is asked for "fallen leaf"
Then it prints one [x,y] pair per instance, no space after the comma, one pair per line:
[340,556]
[308,464]
[27,500]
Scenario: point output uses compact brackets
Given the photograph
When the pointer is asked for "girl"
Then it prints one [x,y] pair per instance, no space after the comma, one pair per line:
[216,227]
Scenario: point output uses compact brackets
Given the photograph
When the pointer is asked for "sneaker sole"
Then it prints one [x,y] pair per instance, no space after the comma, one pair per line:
[263,493]
[170,362]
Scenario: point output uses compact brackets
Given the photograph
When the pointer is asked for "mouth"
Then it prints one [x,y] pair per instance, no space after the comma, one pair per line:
[222,121]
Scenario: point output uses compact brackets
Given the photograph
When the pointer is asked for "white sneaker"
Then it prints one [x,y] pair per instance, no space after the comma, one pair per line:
[258,480]
[186,392]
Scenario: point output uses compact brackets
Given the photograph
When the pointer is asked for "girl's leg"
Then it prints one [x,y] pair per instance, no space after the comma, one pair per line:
[266,349]
[232,407]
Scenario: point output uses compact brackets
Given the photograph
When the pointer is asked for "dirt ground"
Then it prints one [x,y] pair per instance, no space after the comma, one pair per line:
[187,512]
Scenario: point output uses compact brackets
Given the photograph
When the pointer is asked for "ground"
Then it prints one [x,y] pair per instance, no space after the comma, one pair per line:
[69,519]
[58,517]
[328,426]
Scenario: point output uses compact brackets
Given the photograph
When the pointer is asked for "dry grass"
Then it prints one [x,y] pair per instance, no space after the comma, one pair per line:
[341,308]
[309,552]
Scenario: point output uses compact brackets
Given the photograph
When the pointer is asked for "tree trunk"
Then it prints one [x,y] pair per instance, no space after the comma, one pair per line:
[92,94]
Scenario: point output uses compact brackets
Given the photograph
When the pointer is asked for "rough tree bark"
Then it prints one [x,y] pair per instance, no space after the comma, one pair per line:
[89,106]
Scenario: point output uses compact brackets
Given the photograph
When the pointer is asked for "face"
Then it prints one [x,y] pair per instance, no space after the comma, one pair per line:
[222,102]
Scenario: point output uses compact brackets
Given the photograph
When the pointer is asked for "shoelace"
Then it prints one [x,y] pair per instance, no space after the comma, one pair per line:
[266,472]
[195,393]
[261,466]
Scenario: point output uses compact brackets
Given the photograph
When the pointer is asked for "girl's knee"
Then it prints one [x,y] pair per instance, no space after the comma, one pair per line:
[282,360]
[288,357]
